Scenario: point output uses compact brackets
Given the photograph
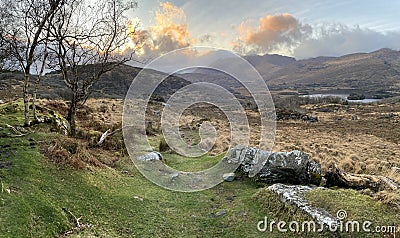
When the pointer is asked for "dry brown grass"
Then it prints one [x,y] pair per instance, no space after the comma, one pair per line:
[69,152]
[369,145]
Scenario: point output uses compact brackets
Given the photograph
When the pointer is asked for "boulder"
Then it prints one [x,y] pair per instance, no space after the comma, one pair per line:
[276,167]
[152,156]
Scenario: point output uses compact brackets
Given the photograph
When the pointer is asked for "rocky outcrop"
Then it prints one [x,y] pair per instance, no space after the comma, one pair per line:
[294,195]
[293,167]
[59,123]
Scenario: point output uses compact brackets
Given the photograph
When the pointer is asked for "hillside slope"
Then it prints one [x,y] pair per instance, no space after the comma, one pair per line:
[113,84]
[375,74]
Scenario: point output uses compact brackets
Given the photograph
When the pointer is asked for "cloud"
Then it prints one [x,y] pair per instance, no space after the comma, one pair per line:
[338,39]
[284,34]
[169,31]
[273,33]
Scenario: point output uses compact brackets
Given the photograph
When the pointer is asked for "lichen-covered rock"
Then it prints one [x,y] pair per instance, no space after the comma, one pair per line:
[294,195]
[293,167]
[251,160]
[150,156]
[59,123]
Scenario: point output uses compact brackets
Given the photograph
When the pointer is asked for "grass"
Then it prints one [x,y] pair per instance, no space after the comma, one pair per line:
[358,207]
[119,202]
[191,164]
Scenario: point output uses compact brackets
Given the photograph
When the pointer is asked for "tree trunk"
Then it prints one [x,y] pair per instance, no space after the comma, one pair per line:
[71,116]
[35,117]
[26,100]
[39,78]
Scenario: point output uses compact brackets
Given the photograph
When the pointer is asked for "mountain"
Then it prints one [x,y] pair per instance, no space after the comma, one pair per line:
[113,84]
[370,73]
[375,74]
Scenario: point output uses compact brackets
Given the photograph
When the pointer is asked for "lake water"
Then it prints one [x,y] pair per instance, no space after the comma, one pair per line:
[343,96]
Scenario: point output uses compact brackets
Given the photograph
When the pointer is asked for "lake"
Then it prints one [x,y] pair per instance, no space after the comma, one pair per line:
[343,96]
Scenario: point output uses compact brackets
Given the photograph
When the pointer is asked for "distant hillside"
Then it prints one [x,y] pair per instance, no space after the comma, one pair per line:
[375,74]
[113,84]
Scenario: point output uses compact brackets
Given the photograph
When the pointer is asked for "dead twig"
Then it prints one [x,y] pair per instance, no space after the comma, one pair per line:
[78,226]
[107,134]
[76,219]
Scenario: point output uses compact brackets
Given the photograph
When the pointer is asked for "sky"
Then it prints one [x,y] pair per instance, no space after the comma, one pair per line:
[296,28]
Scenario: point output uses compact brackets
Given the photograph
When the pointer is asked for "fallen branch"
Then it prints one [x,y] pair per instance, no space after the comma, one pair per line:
[18,133]
[21,135]
[13,129]
[103,137]
[76,220]
[339,178]
[78,226]
[107,134]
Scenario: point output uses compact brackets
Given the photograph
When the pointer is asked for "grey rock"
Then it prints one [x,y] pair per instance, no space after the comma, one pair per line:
[1,101]
[229,177]
[220,213]
[250,159]
[150,156]
[293,167]
[294,195]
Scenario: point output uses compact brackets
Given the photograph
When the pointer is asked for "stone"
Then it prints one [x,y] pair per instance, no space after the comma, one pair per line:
[138,198]
[229,177]
[152,156]
[220,213]
[294,195]
[1,101]
[293,167]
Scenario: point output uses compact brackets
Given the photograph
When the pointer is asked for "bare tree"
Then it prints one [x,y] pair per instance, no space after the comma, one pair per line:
[22,29]
[40,69]
[90,40]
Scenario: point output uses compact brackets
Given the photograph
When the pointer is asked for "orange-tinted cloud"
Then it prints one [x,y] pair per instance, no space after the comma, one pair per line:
[169,31]
[273,31]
